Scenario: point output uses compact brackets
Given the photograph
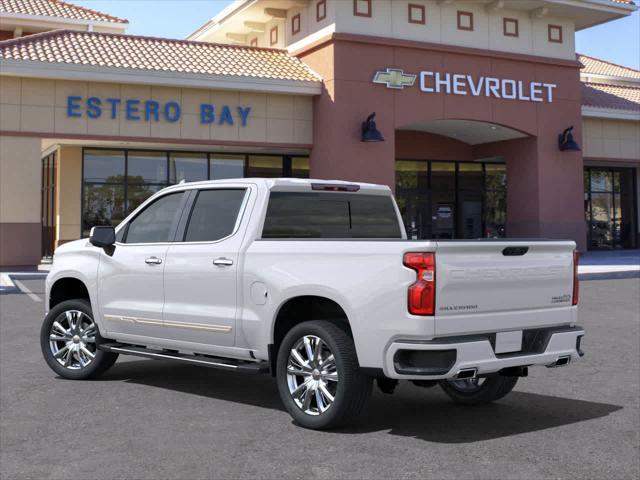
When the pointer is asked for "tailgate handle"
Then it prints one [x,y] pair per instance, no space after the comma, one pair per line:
[515,251]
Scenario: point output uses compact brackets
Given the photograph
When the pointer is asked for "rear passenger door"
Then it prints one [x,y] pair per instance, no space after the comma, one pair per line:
[200,277]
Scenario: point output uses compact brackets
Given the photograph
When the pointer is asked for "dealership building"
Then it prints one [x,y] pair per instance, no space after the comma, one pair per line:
[487,122]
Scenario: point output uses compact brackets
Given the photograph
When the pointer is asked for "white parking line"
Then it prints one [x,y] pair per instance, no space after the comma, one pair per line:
[24,289]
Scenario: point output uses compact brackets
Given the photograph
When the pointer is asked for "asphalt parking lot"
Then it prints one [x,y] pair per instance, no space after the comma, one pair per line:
[155,419]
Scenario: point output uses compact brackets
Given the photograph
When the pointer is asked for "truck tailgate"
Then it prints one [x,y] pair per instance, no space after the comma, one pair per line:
[501,285]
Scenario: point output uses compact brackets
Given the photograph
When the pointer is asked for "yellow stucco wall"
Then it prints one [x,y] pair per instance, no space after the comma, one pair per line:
[608,138]
[20,171]
[36,105]
[68,193]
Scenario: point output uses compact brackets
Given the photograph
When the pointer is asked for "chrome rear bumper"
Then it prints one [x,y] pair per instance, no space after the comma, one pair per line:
[446,357]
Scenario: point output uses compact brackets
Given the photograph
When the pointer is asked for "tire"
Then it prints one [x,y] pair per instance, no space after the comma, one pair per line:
[340,378]
[68,339]
[479,391]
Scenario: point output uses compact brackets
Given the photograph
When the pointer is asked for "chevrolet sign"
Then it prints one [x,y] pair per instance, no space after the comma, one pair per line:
[465,84]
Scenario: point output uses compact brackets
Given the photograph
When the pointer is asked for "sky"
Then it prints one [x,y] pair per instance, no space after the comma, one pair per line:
[617,42]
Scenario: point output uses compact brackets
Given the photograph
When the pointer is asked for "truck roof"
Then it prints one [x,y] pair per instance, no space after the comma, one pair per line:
[295,184]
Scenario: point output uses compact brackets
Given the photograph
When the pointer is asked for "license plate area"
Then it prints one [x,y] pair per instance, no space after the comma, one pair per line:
[508,342]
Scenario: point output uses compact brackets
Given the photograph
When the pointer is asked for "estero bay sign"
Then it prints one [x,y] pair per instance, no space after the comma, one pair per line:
[152,110]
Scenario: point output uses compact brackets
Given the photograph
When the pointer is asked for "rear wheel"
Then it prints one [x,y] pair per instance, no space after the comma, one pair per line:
[318,376]
[479,390]
[68,342]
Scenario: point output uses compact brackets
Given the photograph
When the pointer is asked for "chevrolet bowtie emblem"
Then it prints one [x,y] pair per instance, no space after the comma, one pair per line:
[395,78]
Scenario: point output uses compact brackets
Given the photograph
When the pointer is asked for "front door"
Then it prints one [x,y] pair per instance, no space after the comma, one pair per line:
[202,269]
[130,288]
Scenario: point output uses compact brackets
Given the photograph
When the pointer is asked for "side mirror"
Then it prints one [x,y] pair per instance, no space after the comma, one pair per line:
[103,237]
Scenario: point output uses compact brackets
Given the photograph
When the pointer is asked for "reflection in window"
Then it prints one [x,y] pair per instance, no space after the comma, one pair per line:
[226,166]
[214,215]
[103,204]
[451,199]
[115,182]
[495,205]
[300,167]
[470,192]
[147,167]
[188,167]
[154,223]
[412,196]
[264,166]
[103,166]
[137,194]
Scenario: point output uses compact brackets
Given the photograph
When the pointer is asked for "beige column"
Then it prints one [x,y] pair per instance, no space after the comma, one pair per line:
[20,170]
[68,194]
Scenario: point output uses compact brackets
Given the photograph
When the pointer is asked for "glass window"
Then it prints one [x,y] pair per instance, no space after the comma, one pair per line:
[412,195]
[214,215]
[330,215]
[188,167]
[601,181]
[226,166]
[264,166]
[495,214]
[147,167]
[103,205]
[103,166]
[137,194]
[155,223]
[443,199]
[300,167]
[470,193]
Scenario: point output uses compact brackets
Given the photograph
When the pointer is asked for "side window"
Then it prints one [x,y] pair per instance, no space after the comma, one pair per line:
[214,214]
[155,223]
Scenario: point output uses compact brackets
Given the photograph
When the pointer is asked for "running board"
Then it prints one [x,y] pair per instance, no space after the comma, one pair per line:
[201,360]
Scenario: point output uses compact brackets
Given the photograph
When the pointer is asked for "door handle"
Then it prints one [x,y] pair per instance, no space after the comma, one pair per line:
[153,261]
[223,262]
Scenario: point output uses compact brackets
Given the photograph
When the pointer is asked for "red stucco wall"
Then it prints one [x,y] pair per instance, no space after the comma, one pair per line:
[544,185]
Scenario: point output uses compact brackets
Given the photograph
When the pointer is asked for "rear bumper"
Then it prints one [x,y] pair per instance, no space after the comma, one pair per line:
[446,357]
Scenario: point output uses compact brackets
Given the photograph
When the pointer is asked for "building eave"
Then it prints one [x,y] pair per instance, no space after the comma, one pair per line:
[223,15]
[610,113]
[7,17]
[64,71]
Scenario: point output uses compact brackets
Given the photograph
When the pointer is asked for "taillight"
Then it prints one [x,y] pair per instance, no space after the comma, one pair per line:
[576,282]
[422,294]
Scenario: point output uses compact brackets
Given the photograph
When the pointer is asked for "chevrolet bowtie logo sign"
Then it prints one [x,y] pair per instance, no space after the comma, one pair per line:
[394,78]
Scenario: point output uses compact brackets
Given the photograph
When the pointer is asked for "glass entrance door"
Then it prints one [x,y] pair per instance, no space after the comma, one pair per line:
[451,199]
[47,208]
[610,207]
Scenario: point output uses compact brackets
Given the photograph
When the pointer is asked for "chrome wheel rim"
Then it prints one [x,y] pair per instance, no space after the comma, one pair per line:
[468,385]
[72,339]
[312,375]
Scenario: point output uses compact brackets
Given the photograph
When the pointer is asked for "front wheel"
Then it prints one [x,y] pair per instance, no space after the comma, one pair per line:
[479,390]
[68,342]
[318,376]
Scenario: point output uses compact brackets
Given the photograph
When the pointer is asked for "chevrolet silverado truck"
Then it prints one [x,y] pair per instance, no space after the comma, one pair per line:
[316,283]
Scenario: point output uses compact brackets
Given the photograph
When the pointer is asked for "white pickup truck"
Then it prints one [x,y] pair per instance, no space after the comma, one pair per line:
[316,283]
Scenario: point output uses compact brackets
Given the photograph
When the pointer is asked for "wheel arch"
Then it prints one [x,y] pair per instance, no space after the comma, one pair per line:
[302,308]
[67,288]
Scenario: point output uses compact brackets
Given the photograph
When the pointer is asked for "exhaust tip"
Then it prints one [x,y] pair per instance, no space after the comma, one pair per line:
[561,361]
[466,373]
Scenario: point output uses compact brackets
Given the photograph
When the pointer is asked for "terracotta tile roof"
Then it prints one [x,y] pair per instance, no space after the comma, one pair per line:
[56,8]
[601,67]
[157,54]
[611,96]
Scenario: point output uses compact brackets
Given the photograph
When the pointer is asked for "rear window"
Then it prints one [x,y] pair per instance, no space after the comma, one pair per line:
[330,215]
